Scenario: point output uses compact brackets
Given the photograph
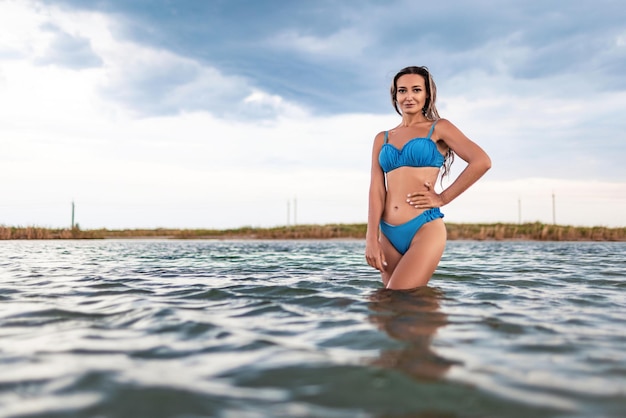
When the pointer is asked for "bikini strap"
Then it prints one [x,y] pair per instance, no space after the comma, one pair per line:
[386,136]
[432,128]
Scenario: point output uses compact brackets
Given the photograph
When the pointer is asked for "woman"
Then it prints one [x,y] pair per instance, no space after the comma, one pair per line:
[406,161]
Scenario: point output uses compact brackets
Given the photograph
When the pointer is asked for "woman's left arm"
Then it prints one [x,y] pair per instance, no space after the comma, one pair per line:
[478,162]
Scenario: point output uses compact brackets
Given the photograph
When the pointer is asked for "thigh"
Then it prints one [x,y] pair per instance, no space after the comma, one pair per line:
[392,257]
[419,263]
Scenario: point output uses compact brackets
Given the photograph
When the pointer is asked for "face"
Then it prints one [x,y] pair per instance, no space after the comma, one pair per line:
[411,93]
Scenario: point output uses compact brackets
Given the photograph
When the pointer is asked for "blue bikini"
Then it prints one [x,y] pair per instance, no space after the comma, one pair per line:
[418,152]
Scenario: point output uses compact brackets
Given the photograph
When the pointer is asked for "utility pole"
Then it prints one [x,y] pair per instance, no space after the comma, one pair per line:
[553,209]
[519,210]
[72,214]
[295,211]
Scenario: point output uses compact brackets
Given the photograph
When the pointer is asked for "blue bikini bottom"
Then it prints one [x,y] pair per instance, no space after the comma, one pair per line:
[401,236]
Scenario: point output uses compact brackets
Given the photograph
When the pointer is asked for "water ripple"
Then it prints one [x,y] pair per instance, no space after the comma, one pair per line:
[303,329]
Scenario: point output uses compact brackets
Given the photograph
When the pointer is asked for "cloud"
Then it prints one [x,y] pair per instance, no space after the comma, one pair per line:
[192,170]
[154,82]
[328,57]
[345,44]
[70,51]
[146,80]
[576,202]
[157,82]
[206,123]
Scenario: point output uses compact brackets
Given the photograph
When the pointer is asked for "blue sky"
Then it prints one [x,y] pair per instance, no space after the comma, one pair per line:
[220,114]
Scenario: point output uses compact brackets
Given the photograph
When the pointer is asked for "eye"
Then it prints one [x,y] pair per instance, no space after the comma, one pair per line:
[417,90]
[401,90]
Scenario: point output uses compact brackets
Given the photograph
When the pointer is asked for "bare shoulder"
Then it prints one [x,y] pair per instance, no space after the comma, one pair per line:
[379,139]
[444,125]
[447,131]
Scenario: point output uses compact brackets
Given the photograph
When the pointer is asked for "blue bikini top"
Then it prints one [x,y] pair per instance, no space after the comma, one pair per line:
[418,152]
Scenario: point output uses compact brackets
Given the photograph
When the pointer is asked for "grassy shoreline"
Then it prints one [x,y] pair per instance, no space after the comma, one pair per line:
[497,231]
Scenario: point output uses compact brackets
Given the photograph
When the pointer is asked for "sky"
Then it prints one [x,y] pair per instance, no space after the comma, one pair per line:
[228,113]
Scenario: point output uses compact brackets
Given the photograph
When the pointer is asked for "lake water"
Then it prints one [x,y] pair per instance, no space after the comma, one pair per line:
[165,328]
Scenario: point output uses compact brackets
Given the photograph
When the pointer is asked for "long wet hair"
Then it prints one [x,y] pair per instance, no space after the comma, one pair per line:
[429,110]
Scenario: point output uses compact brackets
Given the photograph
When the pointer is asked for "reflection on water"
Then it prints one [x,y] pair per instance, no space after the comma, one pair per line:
[412,318]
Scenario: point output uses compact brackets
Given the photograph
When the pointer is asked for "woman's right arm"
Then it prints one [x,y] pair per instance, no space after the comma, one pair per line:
[377,194]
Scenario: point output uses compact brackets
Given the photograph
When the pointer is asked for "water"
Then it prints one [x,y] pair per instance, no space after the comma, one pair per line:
[302,329]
